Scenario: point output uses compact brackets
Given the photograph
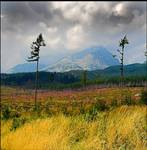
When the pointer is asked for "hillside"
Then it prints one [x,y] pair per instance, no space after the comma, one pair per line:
[129,70]
[133,73]
[26,67]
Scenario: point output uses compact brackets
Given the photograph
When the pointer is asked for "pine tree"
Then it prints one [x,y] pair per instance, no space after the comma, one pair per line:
[35,48]
[122,44]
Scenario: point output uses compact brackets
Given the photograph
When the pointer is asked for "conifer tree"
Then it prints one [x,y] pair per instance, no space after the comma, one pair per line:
[35,48]
[122,44]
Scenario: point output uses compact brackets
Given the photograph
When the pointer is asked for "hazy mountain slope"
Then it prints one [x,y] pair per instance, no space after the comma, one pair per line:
[89,59]
[135,72]
[26,67]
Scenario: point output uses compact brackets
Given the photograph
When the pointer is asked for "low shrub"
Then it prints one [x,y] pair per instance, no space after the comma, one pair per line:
[127,100]
[143,98]
[81,108]
[17,122]
[91,115]
[47,108]
[114,103]
[126,97]
[6,112]
[15,113]
[98,106]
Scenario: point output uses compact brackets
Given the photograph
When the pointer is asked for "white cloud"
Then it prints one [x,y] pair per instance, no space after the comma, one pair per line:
[52,30]
[75,37]
[11,54]
[136,54]
[54,42]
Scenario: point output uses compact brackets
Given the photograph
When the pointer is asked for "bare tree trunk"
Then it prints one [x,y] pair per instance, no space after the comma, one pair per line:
[122,67]
[36,85]
[85,78]
[146,65]
[122,63]
[146,73]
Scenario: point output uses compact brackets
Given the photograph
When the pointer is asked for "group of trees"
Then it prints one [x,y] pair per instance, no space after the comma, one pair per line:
[27,80]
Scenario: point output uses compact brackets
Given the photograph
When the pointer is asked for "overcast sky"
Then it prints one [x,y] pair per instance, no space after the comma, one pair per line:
[68,27]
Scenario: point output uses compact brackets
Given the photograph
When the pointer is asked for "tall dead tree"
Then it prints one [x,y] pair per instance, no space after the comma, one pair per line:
[35,48]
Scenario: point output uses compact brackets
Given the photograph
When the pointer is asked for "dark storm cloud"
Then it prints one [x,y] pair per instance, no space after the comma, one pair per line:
[128,13]
[118,19]
[25,15]
[120,13]
[16,14]
[22,15]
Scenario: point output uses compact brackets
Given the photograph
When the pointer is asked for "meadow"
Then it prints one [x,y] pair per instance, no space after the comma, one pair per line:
[82,119]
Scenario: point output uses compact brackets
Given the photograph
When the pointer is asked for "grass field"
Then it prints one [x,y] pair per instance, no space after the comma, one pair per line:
[86,119]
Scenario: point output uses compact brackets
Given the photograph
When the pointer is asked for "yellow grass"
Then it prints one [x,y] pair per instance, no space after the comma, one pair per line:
[120,129]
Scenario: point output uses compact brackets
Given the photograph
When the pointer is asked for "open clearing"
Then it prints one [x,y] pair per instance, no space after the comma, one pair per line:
[90,119]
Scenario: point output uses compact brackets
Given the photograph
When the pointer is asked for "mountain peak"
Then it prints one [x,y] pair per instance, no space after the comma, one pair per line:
[92,58]
[96,57]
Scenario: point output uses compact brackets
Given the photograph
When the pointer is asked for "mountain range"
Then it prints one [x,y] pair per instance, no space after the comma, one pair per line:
[113,71]
[134,73]
[92,58]
[26,67]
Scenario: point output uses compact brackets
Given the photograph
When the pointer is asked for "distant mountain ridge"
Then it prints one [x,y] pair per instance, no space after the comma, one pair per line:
[89,59]
[129,70]
[26,67]
[92,58]
[133,72]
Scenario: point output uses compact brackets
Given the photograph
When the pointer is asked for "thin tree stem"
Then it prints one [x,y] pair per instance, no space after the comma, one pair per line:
[146,71]
[36,85]
[146,65]
[122,67]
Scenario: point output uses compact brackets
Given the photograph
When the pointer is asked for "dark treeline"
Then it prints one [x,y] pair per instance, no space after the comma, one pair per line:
[69,80]
[28,79]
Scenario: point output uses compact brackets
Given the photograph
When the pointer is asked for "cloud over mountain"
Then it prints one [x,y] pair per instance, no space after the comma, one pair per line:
[70,26]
